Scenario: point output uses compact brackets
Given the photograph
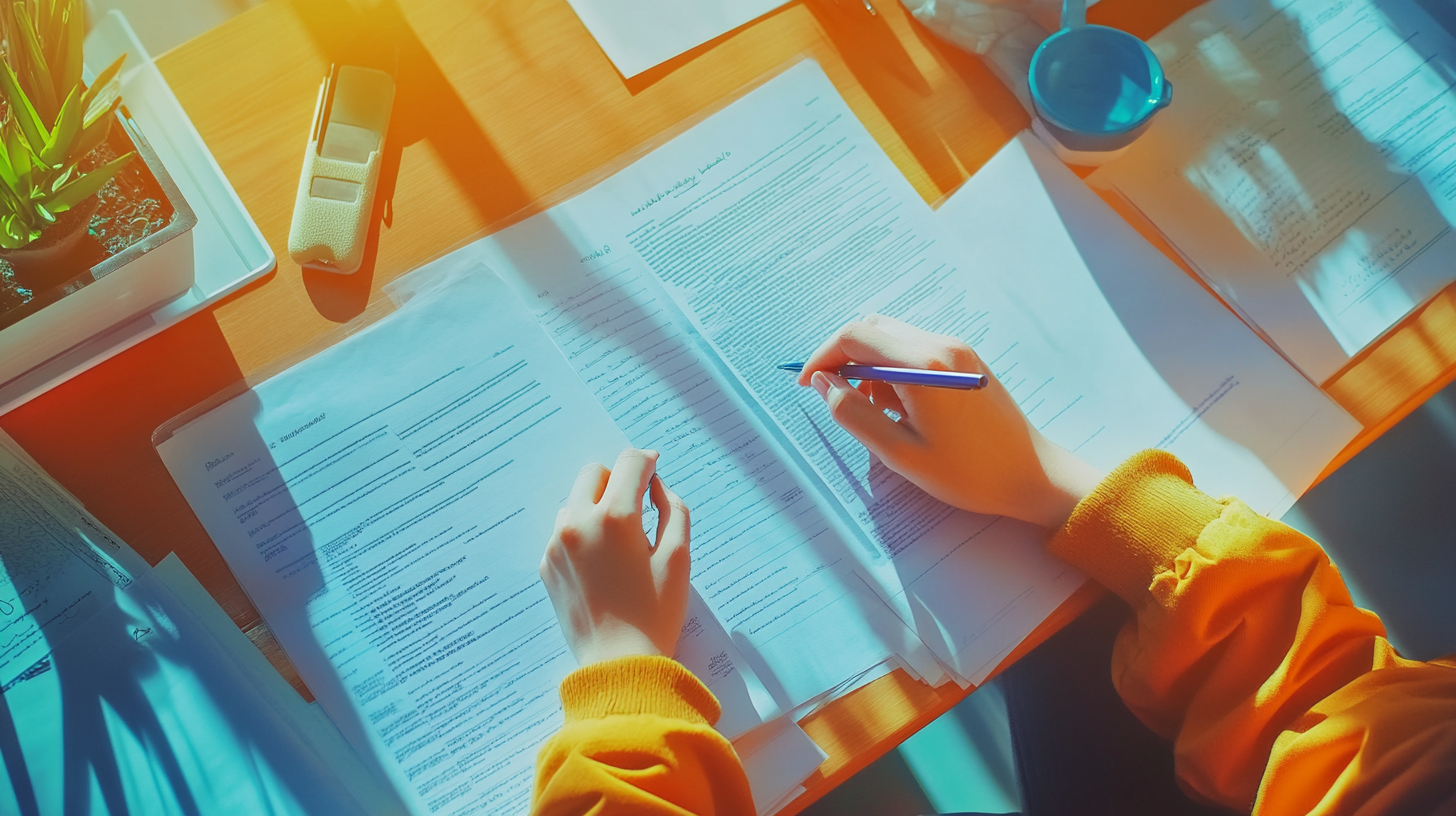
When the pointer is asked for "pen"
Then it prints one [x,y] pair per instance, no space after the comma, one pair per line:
[905,376]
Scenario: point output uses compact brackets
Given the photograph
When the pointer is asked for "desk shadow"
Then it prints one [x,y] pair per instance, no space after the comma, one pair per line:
[426,109]
[1388,521]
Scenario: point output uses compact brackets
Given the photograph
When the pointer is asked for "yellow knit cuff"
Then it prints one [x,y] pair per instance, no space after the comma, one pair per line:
[1141,517]
[638,685]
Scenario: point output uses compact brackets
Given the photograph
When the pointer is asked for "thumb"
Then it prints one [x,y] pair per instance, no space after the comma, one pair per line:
[854,412]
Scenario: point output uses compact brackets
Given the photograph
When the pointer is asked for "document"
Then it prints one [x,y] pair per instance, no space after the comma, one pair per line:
[777,220]
[1307,166]
[58,565]
[1082,311]
[138,710]
[638,34]
[115,698]
[386,504]
[312,726]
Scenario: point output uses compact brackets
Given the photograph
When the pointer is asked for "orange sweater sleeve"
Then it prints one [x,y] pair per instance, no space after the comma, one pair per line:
[1245,649]
[639,739]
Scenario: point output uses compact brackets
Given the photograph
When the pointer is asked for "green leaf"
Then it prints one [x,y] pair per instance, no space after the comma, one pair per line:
[93,134]
[45,215]
[79,189]
[71,44]
[62,178]
[9,201]
[44,85]
[24,113]
[18,154]
[7,173]
[18,227]
[57,151]
[10,234]
[103,92]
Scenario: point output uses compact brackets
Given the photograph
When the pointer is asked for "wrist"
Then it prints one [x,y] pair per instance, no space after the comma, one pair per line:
[1069,480]
[613,644]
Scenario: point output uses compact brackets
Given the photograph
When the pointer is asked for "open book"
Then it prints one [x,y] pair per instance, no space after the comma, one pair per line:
[386,502]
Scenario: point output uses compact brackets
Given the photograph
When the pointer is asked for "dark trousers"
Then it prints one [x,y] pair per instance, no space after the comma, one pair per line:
[1079,751]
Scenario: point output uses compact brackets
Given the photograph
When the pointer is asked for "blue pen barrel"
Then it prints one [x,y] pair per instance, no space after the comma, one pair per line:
[915,376]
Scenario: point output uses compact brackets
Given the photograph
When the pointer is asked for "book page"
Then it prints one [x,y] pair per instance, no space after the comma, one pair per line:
[1307,165]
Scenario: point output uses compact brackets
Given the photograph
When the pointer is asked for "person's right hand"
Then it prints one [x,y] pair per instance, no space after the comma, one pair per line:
[971,449]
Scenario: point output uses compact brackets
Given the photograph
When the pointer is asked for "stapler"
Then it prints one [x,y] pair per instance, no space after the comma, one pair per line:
[341,169]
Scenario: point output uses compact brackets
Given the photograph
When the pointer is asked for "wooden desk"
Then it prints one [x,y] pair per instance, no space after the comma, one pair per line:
[506,104]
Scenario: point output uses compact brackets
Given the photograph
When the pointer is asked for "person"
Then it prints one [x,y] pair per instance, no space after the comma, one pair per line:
[1243,648]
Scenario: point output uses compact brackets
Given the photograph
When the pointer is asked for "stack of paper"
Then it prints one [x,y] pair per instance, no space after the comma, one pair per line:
[386,503]
[118,698]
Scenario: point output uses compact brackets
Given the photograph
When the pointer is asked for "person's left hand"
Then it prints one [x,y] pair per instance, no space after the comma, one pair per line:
[617,594]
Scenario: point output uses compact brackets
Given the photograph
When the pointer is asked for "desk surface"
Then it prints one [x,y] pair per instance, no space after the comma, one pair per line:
[502,105]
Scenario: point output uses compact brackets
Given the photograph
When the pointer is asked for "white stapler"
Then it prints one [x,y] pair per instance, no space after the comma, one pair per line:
[341,169]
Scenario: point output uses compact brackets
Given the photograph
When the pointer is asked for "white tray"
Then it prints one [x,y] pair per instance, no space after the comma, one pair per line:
[229,251]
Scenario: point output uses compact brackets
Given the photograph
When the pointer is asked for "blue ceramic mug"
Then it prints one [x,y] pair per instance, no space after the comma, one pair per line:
[1095,88]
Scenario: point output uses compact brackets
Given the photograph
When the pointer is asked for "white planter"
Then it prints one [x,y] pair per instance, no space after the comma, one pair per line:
[148,273]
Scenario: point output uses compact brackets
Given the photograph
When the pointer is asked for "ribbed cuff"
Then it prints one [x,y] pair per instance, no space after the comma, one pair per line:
[1141,517]
[638,685]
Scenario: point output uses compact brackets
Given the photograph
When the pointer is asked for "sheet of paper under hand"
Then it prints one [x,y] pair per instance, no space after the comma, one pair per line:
[386,505]
[1082,312]
[1307,165]
[1110,348]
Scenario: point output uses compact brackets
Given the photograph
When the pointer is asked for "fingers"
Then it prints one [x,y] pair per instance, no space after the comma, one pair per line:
[883,395]
[859,342]
[880,340]
[670,559]
[628,481]
[672,517]
[855,413]
[587,489]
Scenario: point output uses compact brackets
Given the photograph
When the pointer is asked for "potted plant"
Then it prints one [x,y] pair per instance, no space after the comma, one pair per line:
[93,232]
[53,123]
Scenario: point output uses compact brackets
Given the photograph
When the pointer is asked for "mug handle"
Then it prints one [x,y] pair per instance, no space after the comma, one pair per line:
[1167,95]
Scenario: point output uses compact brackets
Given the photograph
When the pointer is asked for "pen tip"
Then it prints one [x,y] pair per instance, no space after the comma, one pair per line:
[795,367]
